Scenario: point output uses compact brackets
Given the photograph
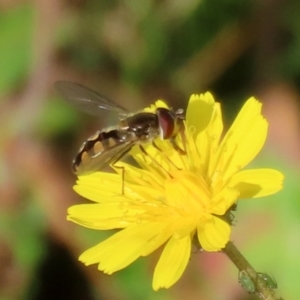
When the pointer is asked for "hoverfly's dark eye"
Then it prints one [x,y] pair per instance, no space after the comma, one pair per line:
[166,121]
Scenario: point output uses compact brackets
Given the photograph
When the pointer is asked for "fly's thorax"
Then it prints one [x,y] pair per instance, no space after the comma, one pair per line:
[144,125]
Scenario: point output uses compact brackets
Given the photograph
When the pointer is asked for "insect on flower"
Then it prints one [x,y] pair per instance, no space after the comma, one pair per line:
[109,145]
[246,282]
[270,282]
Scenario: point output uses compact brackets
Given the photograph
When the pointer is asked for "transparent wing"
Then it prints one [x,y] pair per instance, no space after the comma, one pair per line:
[98,161]
[88,100]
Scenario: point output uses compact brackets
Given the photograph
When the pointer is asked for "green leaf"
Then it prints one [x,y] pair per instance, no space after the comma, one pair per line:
[16,30]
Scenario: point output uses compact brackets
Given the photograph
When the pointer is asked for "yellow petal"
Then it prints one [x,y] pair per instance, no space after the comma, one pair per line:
[140,176]
[214,235]
[215,127]
[102,216]
[155,242]
[121,249]
[251,108]
[172,262]
[207,141]
[98,178]
[243,140]
[199,112]
[224,200]
[159,160]
[257,182]
[99,186]
[153,107]
[187,192]
[138,192]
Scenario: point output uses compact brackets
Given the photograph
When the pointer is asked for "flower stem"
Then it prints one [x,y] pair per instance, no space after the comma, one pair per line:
[261,289]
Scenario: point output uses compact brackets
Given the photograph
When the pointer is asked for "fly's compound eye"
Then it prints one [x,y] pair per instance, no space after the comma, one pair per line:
[166,122]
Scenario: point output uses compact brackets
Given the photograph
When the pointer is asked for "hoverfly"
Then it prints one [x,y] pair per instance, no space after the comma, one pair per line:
[109,145]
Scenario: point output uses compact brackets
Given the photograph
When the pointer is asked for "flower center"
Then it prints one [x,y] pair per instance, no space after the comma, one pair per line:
[188,194]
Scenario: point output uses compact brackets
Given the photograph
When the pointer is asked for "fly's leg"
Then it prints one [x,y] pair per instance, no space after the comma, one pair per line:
[165,156]
[115,159]
[176,147]
[154,160]
[183,139]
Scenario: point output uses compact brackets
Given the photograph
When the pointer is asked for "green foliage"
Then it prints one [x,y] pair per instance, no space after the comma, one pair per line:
[16,29]
[289,56]
[57,117]
[23,231]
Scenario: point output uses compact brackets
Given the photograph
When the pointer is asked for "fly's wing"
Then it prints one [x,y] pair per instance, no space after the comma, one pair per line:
[88,100]
[97,155]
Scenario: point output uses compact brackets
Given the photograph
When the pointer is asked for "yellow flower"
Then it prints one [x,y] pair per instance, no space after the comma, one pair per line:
[172,199]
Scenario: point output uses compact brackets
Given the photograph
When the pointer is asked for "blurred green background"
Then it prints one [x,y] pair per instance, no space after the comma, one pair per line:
[136,52]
